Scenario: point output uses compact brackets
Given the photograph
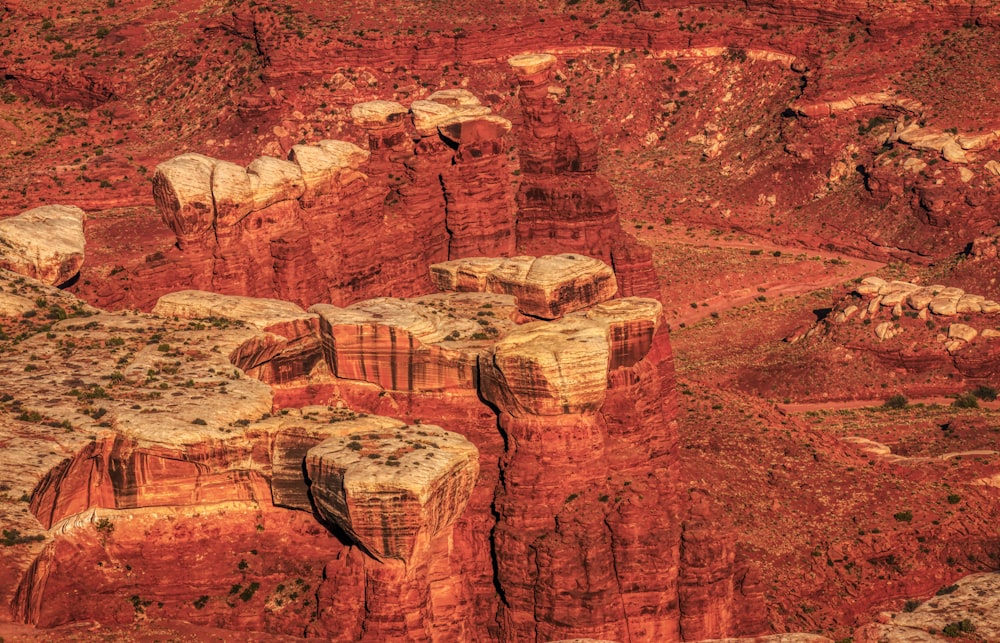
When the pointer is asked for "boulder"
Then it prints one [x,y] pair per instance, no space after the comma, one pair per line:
[870,286]
[182,189]
[530,64]
[547,287]
[377,113]
[44,243]
[551,286]
[549,369]
[970,304]
[962,331]
[388,484]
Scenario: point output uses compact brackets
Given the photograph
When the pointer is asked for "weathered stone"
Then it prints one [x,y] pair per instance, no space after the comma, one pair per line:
[232,192]
[921,298]
[44,243]
[425,344]
[457,97]
[377,113]
[529,64]
[389,485]
[182,189]
[273,180]
[465,275]
[962,331]
[970,304]
[256,312]
[944,305]
[870,286]
[548,368]
[886,330]
[551,286]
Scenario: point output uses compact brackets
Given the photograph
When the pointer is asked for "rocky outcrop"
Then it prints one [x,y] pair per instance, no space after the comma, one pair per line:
[546,287]
[966,608]
[390,486]
[917,326]
[420,345]
[286,353]
[44,243]
[562,199]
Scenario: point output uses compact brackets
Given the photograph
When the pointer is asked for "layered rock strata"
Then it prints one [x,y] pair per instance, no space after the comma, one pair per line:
[145,411]
[915,325]
[545,287]
[587,416]
[435,179]
[562,199]
[44,243]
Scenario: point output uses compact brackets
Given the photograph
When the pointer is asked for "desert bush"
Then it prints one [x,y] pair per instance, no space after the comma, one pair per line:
[897,401]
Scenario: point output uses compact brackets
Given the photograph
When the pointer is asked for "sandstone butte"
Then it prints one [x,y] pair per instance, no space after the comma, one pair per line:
[153,422]
[300,438]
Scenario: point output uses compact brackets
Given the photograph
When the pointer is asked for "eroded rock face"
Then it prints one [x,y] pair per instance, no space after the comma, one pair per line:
[44,243]
[970,606]
[389,484]
[562,198]
[547,287]
[429,343]
[549,368]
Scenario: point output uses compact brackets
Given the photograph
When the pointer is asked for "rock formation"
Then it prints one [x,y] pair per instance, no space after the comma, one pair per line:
[585,408]
[44,243]
[562,198]
[916,325]
[434,178]
[544,287]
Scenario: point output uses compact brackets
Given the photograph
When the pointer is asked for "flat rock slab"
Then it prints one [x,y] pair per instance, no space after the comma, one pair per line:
[548,368]
[528,64]
[422,344]
[44,243]
[390,485]
[546,287]
[257,312]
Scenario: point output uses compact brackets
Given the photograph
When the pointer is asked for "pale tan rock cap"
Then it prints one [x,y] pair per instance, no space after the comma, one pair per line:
[44,243]
[390,485]
[257,312]
[429,114]
[455,98]
[377,113]
[547,287]
[548,368]
[528,64]
[325,160]
[182,189]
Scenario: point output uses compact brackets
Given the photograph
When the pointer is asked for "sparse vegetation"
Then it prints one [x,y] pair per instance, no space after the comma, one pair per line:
[896,402]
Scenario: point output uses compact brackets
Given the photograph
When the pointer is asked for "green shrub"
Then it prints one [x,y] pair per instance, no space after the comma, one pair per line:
[903,516]
[958,628]
[985,393]
[896,402]
[250,590]
[966,401]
